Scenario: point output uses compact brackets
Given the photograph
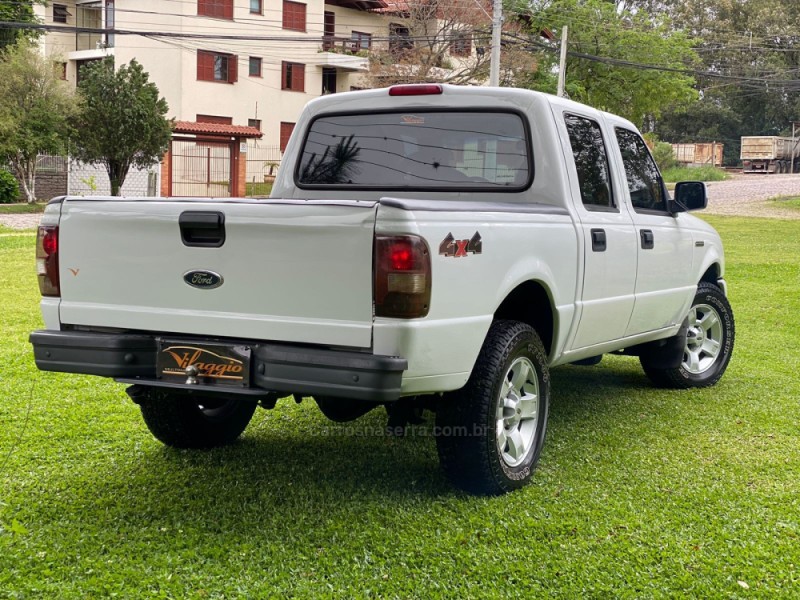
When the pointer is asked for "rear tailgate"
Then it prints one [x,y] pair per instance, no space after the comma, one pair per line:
[298,271]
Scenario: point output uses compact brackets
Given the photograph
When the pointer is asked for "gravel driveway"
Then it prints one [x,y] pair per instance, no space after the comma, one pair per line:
[748,195]
[742,195]
[20,221]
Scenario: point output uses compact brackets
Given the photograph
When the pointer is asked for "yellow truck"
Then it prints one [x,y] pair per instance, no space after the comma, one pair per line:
[769,154]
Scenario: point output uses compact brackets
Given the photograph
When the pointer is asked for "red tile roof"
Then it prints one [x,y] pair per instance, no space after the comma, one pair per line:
[218,129]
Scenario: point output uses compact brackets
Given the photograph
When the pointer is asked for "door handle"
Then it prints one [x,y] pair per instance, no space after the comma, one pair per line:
[202,229]
[648,240]
[598,240]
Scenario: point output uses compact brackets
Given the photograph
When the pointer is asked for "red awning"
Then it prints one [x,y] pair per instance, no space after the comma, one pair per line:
[216,129]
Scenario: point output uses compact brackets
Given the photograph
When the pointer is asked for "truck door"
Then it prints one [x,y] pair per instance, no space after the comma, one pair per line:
[664,280]
[609,239]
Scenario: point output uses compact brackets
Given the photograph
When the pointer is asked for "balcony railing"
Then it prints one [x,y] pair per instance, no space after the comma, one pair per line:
[341,45]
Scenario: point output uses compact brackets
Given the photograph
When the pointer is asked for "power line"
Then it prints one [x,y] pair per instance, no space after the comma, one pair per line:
[664,68]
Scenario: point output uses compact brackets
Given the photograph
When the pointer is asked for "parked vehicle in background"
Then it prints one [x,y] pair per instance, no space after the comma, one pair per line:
[699,155]
[425,247]
[769,154]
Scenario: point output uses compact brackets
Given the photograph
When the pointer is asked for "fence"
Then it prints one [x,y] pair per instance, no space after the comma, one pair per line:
[201,168]
[59,175]
[92,180]
[262,165]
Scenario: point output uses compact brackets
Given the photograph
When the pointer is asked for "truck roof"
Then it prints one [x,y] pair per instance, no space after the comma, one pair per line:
[453,95]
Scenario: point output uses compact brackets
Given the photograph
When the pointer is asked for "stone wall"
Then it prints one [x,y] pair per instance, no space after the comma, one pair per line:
[50,184]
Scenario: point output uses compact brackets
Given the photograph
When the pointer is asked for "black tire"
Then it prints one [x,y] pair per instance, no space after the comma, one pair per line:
[699,367]
[189,421]
[469,421]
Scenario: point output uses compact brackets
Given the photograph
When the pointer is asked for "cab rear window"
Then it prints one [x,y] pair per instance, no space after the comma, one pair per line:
[420,150]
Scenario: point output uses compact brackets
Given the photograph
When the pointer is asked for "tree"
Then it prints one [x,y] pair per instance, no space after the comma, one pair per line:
[35,111]
[619,37]
[17,11]
[705,121]
[433,40]
[753,51]
[123,123]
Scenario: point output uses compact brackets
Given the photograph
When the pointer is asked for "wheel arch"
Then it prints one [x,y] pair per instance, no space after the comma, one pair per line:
[711,265]
[531,302]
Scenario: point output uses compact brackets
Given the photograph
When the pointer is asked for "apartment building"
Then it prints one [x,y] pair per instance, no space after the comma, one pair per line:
[237,62]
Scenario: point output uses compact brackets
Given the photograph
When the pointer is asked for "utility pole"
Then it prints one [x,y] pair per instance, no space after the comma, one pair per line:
[562,65]
[497,26]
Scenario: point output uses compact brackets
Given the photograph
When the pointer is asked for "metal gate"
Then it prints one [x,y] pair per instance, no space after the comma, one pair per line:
[201,168]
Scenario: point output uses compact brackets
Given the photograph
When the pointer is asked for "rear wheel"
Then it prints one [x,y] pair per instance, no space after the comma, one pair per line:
[490,433]
[709,343]
[189,421]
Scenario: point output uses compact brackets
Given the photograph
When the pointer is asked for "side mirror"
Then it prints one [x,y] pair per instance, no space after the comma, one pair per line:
[689,195]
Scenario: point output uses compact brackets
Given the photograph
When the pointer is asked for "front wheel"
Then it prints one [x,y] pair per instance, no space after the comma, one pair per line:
[709,343]
[490,433]
[189,421]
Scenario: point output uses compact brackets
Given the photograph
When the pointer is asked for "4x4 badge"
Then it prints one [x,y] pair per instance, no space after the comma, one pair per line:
[450,246]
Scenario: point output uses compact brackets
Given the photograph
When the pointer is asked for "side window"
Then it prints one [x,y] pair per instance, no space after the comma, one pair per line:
[644,182]
[591,161]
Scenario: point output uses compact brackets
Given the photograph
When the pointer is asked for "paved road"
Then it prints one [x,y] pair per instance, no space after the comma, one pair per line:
[744,195]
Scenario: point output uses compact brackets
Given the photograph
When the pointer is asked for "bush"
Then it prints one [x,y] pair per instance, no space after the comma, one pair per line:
[665,159]
[9,188]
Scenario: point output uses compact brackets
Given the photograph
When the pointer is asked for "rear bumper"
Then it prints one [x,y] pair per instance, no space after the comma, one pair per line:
[131,358]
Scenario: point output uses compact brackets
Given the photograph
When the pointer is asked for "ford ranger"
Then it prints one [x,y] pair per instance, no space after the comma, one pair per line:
[424,247]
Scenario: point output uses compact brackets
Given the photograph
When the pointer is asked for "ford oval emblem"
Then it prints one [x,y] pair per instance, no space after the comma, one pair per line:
[204,280]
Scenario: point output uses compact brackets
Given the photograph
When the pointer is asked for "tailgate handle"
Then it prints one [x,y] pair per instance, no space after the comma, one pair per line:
[202,229]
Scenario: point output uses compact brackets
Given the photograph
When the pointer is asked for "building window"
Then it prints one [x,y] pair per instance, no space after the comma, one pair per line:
[111,22]
[361,40]
[399,38]
[60,13]
[294,16]
[256,7]
[60,70]
[216,119]
[461,45]
[286,133]
[218,9]
[293,76]
[214,66]
[255,66]
[254,123]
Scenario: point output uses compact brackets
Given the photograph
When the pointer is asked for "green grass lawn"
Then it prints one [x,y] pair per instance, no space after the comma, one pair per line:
[258,189]
[640,493]
[709,173]
[22,207]
[790,202]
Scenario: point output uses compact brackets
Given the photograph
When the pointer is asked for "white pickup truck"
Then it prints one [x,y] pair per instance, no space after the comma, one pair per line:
[425,247]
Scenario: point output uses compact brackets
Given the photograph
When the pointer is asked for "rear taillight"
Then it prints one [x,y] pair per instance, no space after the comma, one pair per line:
[402,276]
[47,260]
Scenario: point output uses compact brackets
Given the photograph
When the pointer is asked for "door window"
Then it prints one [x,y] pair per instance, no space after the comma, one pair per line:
[591,162]
[644,182]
